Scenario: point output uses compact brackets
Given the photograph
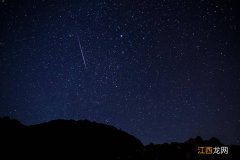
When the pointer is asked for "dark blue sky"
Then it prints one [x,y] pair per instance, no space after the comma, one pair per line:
[161,70]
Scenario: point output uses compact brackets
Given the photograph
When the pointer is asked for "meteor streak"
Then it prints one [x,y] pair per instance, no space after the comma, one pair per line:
[80,46]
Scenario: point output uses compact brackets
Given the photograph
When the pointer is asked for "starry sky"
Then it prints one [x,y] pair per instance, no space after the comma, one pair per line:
[162,70]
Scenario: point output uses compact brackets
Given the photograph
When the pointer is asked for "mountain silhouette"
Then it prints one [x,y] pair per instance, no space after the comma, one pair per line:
[69,139]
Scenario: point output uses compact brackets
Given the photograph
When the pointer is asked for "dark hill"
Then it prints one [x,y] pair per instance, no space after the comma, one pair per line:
[67,138]
[187,151]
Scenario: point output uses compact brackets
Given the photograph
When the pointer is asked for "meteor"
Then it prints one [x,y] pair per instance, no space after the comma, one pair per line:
[80,46]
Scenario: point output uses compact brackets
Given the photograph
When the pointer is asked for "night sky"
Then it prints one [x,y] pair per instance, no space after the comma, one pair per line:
[162,71]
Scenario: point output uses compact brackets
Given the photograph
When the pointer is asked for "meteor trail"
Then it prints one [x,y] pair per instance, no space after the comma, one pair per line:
[81,52]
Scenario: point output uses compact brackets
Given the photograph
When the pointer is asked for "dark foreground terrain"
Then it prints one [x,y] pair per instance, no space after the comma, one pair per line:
[83,139]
